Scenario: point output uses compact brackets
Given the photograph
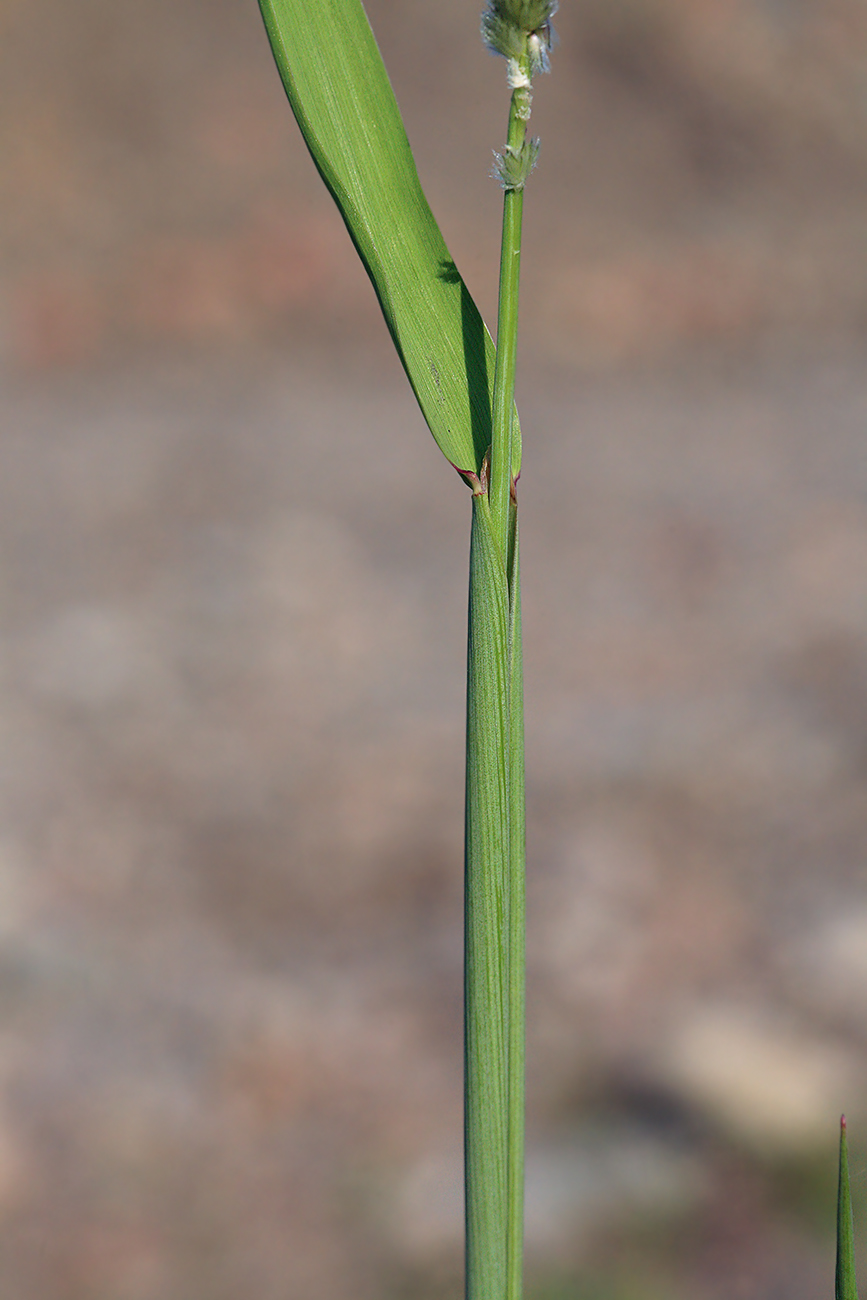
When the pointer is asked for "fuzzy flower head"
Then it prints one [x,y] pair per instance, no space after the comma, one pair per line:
[513,166]
[521,31]
[539,45]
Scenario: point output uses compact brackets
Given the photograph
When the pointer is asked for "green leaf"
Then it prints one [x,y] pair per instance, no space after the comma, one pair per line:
[341,96]
[845,1288]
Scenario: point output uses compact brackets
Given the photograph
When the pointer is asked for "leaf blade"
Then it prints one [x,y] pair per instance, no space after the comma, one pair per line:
[845,1287]
[342,99]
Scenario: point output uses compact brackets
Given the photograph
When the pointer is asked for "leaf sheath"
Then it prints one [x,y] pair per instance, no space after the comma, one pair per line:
[486,974]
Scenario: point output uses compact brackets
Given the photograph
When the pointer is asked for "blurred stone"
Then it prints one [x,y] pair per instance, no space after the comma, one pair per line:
[827,965]
[574,1186]
[89,656]
[772,1087]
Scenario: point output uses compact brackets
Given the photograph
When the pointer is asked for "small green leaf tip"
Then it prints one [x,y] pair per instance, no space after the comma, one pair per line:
[844,1284]
[513,166]
[520,30]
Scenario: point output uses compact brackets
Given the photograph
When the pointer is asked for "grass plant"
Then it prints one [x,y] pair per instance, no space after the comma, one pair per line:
[341,97]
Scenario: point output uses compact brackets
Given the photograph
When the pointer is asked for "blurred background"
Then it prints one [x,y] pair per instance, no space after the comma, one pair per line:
[233,568]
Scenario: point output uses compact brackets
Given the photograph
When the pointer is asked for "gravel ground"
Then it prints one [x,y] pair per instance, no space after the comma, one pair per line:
[232,652]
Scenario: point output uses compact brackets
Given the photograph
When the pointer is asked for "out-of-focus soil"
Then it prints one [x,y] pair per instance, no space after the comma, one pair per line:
[704,176]
[231,853]
[233,570]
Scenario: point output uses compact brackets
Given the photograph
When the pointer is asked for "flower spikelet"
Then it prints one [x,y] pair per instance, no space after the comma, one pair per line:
[520,30]
[513,166]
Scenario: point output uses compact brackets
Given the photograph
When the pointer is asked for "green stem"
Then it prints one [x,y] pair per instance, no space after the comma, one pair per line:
[495,833]
[507,333]
[495,854]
